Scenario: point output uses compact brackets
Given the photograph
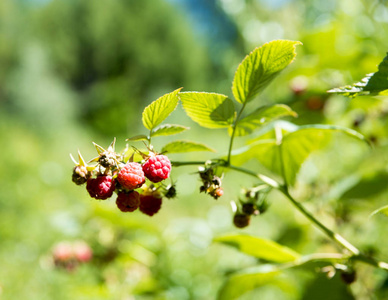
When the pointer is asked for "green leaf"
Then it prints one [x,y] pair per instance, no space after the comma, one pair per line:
[248,280]
[260,248]
[288,155]
[382,210]
[372,84]
[209,110]
[322,288]
[256,150]
[260,67]
[168,129]
[185,146]
[261,117]
[140,137]
[160,109]
[367,186]
[298,145]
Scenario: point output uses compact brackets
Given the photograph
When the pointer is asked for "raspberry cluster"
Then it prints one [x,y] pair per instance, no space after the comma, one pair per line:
[116,173]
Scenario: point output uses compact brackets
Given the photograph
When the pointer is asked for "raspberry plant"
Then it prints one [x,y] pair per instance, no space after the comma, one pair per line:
[138,177]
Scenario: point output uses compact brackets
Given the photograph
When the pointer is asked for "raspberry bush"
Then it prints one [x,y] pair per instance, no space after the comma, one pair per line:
[141,177]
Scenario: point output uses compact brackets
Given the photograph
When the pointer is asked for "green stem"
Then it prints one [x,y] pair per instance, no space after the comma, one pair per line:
[334,236]
[284,189]
[149,138]
[186,163]
[234,126]
[356,255]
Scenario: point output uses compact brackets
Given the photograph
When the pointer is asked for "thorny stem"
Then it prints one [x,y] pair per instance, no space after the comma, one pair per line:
[356,254]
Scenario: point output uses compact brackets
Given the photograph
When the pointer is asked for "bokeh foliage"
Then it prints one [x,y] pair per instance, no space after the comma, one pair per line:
[76,71]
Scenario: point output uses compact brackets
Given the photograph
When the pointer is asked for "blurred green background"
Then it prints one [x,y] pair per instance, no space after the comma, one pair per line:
[77,71]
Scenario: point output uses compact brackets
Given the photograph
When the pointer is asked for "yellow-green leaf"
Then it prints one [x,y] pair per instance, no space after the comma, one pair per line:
[261,117]
[259,247]
[168,129]
[209,110]
[260,67]
[160,109]
[185,146]
[382,210]
[245,281]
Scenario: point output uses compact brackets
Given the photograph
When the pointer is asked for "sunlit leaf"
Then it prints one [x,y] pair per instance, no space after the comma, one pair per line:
[372,84]
[288,156]
[248,152]
[209,110]
[260,67]
[323,288]
[245,281]
[168,129]
[382,210]
[255,277]
[140,137]
[261,117]
[260,248]
[185,146]
[160,109]
[367,186]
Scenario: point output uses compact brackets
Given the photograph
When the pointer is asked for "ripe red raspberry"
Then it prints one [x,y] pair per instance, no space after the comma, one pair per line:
[62,252]
[150,204]
[101,187]
[157,168]
[127,202]
[131,176]
[82,251]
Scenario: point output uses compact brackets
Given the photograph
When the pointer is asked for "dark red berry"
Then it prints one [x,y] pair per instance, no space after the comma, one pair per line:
[157,168]
[241,220]
[348,276]
[315,103]
[150,204]
[128,202]
[101,187]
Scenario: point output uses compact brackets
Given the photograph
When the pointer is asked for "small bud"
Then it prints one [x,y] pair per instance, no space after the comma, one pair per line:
[216,181]
[170,192]
[80,175]
[107,160]
[250,209]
